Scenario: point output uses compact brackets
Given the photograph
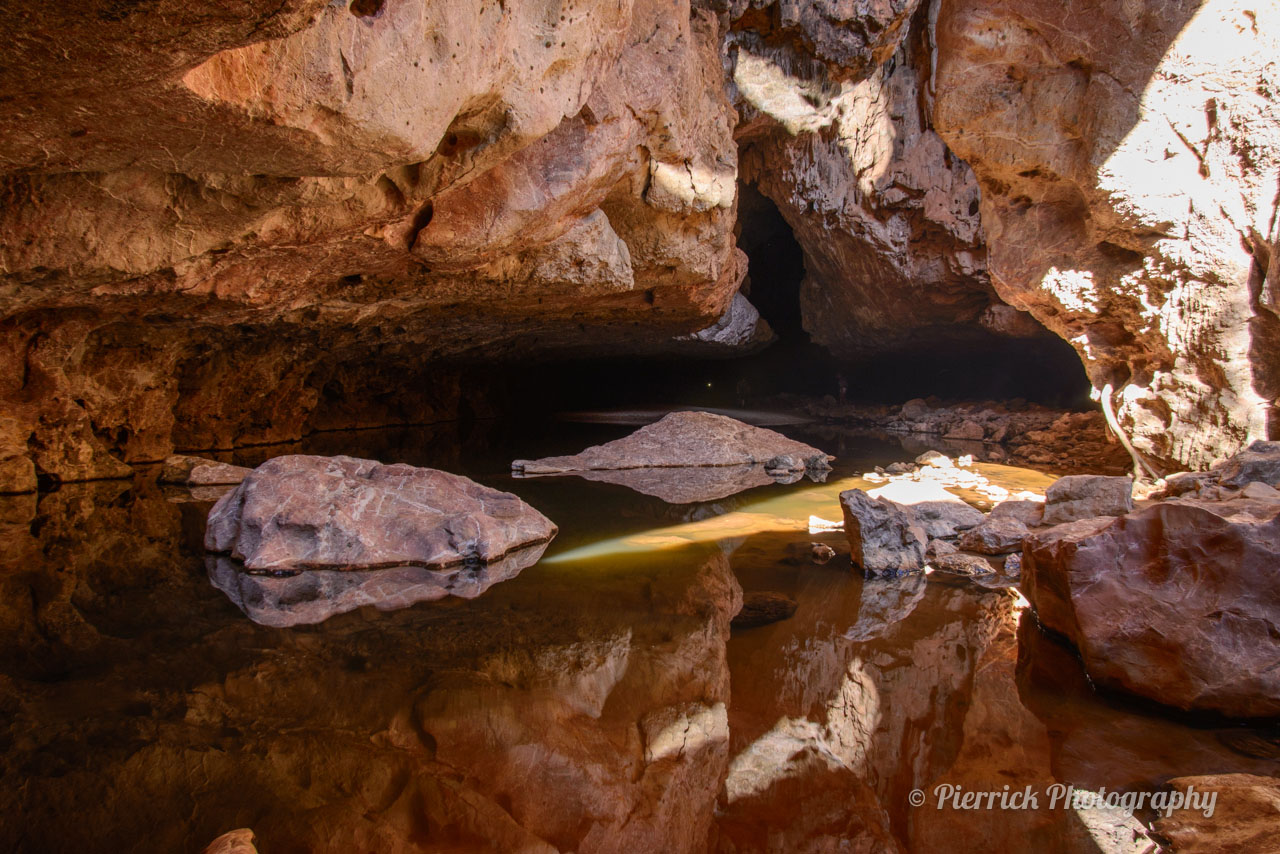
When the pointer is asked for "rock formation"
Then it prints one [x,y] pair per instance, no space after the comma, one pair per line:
[302,512]
[688,439]
[1176,602]
[1129,156]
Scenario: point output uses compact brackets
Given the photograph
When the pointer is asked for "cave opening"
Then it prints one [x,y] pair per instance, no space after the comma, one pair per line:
[977,365]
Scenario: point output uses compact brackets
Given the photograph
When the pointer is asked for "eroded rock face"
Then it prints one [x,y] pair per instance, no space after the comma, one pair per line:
[1176,602]
[685,439]
[1128,159]
[226,226]
[1243,814]
[302,512]
[885,538]
[887,217]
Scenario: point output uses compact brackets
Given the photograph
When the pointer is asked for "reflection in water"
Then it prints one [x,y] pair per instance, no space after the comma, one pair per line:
[595,702]
[316,595]
[686,485]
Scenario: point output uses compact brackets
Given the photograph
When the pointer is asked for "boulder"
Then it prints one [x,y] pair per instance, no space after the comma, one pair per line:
[961,564]
[1029,513]
[1013,565]
[683,439]
[995,536]
[938,548]
[939,512]
[1245,814]
[970,430]
[885,539]
[198,471]
[1258,462]
[1177,602]
[1084,496]
[303,512]
[233,842]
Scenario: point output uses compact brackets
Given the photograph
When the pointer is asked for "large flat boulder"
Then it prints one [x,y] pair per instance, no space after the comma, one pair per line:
[683,439]
[885,539]
[1178,602]
[304,512]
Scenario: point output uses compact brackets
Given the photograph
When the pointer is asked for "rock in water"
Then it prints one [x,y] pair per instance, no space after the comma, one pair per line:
[198,471]
[687,439]
[1177,602]
[761,609]
[884,538]
[939,512]
[1084,496]
[307,512]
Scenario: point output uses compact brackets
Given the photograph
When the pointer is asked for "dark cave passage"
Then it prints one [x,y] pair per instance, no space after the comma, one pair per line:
[1044,370]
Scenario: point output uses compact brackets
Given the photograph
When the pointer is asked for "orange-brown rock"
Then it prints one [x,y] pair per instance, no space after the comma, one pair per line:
[1127,152]
[1176,602]
[204,242]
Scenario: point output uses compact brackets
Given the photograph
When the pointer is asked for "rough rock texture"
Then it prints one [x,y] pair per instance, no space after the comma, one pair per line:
[1128,154]
[1246,815]
[302,512]
[1177,602]
[233,842]
[962,565]
[684,439]
[939,512]
[198,471]
[225,224]
[885,539]
[1083,496]
[994,536]
[1258,463]
[888,219]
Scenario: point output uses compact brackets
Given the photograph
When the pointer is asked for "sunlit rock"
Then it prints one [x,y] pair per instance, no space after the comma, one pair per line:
[939,512]
[885,539]
[1085,496]
[198,471]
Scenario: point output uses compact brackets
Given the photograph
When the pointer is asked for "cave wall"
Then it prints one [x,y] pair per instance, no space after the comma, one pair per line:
[223,224]
[1129,158]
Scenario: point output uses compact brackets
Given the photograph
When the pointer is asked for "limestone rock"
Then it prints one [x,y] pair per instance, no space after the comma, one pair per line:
[941,513]
[198,471]
[885,539]
[1244,815]
[1127,161]
[683,439]
[339,513]
[962,564]
[233,842]
[1084,496]
[994,536]
[1176,602]
[1259,462]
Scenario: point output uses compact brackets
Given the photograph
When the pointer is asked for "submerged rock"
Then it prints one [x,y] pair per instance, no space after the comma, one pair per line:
[684,439]
[761,609]
[305,513]
[198,471]
[1178,602]
[885,539]
[1084,496]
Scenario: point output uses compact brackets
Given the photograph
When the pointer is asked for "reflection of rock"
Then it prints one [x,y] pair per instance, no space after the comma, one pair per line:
[1176,602]
[314,596]
[308,512]
[684,439]
[530,719]
[687,485]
